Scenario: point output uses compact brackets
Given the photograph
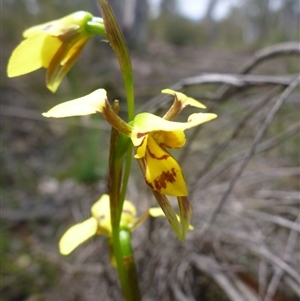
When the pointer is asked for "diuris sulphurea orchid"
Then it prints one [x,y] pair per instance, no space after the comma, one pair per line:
[54,45]
[150,134]
[100,223]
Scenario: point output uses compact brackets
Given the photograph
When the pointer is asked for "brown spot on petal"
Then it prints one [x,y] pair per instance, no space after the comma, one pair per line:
[165,178]
[139,135]
[101,217]
[149,184]
[163,157]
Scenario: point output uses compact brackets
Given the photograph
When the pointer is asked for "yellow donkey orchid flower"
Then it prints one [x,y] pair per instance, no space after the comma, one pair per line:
[161,134]
[150,134]
[54,45]
[100,223]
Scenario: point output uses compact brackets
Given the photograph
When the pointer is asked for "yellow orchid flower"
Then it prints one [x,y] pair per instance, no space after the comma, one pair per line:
[54,45]
[100,223]
[150,134]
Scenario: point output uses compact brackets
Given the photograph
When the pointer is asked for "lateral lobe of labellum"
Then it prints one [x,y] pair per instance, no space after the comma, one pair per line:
[163,173]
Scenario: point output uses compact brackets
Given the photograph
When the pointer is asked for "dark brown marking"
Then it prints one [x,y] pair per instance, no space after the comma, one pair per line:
[163,157]
[165,178]
[101,217]
[139,135]
[149,184]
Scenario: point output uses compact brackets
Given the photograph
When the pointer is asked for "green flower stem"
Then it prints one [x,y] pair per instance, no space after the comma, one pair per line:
[118,44]
[96,26]
[129,263]
[125,262]
[121,247]
[126,172]
[116,205]
[130,96]
[115,174]
[126,269]
[126,265]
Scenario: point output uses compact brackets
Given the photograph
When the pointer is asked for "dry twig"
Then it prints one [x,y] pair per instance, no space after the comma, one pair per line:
[290,245]
[280,101]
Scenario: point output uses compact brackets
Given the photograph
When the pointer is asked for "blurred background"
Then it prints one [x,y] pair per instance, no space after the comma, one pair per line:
[241,59]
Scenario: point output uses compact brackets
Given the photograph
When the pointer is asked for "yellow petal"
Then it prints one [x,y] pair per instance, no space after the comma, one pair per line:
[60,26]
[199,118]
[175,139]
[75,50]
[76,235]
[62,62]
[191,227]
[147,122]
[128,215]
[157,212]
[163,173]
[31,54]
[53,28]
[185,100]
[101,212]
[33,30]
[101,207]
[86,105]
[140,149]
